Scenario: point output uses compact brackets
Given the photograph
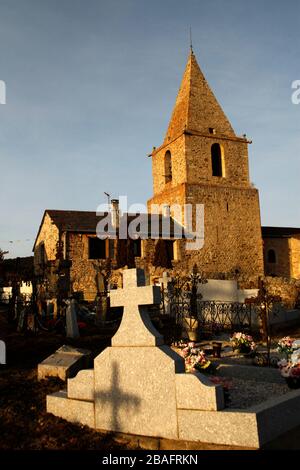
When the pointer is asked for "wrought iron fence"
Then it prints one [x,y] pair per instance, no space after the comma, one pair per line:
[220,316]
[187,309]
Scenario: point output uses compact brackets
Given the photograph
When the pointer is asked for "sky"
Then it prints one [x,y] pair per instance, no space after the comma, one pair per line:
[90,86]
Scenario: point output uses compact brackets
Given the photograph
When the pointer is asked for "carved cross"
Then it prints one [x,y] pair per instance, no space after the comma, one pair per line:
[136,328]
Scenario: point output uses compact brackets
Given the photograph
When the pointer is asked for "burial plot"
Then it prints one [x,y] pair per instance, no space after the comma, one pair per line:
[139,386]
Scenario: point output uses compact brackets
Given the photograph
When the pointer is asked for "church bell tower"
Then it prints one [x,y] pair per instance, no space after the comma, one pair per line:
[203,161]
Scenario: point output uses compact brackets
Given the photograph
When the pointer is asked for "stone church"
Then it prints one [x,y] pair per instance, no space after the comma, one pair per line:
[201,161]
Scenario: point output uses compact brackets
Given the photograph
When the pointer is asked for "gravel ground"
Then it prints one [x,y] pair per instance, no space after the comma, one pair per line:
[246,393]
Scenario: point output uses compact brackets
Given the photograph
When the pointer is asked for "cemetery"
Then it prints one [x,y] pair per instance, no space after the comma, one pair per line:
[173,325]
[159,375]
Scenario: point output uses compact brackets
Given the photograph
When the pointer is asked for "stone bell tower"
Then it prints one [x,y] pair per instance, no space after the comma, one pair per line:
[203,161]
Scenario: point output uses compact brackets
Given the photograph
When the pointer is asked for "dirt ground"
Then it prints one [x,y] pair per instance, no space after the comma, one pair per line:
[24,423]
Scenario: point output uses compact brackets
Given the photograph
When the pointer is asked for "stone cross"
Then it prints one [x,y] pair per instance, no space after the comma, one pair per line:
[166,287]
[136,328]
[165,279]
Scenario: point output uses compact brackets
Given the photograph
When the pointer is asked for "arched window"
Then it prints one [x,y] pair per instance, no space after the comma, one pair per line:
[271,256]
[216,160]
[168,167]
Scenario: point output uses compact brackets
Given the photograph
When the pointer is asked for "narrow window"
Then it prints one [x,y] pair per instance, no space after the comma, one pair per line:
[170,249]
[97,248]
[272,256]
[136,244]
[42,255]
[168,167]
[111,247]
[164,253]
[216,160]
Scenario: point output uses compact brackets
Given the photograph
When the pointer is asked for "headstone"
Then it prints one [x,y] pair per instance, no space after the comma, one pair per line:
[138,385]
[64,363]
[165,283]
[72,330]
[165,279]
[102,300]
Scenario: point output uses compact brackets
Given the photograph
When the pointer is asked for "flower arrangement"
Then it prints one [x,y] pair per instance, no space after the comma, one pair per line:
[290,370]
[290,367]
[285,346]
[243,343]
[195,358]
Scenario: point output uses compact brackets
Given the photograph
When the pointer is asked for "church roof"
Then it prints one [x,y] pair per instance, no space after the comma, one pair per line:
[196,106]
[86,222]
[279,232]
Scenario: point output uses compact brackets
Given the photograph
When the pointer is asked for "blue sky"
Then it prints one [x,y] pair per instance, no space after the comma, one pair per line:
[91,85]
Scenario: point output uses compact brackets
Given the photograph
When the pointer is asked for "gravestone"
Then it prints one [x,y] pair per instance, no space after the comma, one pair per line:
[138,385]
[165,281]
[102,300]
[72,330]
[64,363]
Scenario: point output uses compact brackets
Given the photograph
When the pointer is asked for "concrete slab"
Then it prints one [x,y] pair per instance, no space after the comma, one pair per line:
[82,387]
[196,392]
[259,374]
[64,363]
[75,411]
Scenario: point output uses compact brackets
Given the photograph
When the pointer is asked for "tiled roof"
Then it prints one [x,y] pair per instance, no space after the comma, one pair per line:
[86,222]
[279,232]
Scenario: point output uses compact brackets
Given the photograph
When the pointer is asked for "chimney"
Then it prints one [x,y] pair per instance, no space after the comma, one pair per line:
[166,212]
[115,213]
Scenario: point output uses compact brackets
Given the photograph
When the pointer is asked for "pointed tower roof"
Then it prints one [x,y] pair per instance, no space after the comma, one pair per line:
[196,106]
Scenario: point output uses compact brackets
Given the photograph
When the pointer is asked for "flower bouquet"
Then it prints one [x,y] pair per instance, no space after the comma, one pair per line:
[290,369]
[195,358]
[243,343]
[285,346]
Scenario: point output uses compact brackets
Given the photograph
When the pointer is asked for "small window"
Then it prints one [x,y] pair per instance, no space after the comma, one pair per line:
[164,253]
[97,248]
[216,160]
[111,246]
[272,256]
[136,245]
[168,167]
[42,258]
[169,244]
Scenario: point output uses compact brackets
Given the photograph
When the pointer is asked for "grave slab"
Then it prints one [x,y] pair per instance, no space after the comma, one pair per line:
[75,411]
[82,386]
[64,363]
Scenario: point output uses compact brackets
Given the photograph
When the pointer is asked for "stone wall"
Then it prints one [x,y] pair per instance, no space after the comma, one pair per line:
[282,267]
[198,160]
[83,270]
[295,256]
[232,229]
[46,244]
[287,289]
[287,252]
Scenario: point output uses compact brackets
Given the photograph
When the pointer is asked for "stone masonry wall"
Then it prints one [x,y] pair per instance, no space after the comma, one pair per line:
[282,267]
[198,160]
[48,237]
[295,256]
